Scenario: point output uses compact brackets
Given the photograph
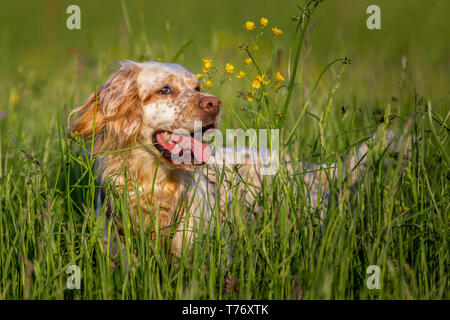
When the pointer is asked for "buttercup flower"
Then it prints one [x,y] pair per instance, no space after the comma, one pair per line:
[256,84]
[261,79]
[229,68]
[248,61]
[207,83]
[159,59]
[276,31]
[264,22]
[279,78]
[249,25]
[205,70]
[207,63]
[199,75]
[240,75]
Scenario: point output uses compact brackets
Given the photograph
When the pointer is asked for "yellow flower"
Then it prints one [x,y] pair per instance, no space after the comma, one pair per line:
[229,68]
[240,75]
[276,31]
[279,78]
[199,75]
[207,63]
[250,94]
[207,83]
[205,70]
[248,61]
[256,84]
[264,22]
[159,59]
[249,25]
[14,97]
[229,79]
[261,79]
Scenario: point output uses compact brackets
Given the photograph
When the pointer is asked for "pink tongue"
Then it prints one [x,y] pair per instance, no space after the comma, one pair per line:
[200,150]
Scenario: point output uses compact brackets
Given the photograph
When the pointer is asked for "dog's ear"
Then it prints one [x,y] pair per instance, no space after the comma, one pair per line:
[90,116]
[116,108]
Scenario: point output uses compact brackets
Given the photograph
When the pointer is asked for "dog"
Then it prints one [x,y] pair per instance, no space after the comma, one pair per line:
[135,119]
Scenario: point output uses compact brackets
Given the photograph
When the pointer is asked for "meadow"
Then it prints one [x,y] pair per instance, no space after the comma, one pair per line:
[329,83]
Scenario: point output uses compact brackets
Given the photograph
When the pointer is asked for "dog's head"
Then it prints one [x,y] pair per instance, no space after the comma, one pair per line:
[157,105]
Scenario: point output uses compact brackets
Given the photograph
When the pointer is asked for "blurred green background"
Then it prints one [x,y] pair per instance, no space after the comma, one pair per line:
[47,70]
[55,68]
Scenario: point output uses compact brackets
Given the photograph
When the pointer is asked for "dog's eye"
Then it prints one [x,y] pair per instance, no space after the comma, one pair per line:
[197,88]
[165,90]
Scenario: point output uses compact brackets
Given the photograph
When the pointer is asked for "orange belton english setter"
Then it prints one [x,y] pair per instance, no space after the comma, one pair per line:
[140,109]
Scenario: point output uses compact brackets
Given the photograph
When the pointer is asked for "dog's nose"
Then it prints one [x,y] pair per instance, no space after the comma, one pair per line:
[211,105]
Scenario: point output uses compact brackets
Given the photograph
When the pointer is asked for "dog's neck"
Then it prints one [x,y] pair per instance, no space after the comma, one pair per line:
[140,166]
[153,178]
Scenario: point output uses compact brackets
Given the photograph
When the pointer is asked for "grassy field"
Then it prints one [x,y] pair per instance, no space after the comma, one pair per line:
[396,217]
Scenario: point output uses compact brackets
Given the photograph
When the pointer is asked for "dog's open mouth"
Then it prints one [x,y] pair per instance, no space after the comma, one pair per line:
[178,149]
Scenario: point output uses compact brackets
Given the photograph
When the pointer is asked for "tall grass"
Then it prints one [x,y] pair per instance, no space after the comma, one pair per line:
[396,216]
